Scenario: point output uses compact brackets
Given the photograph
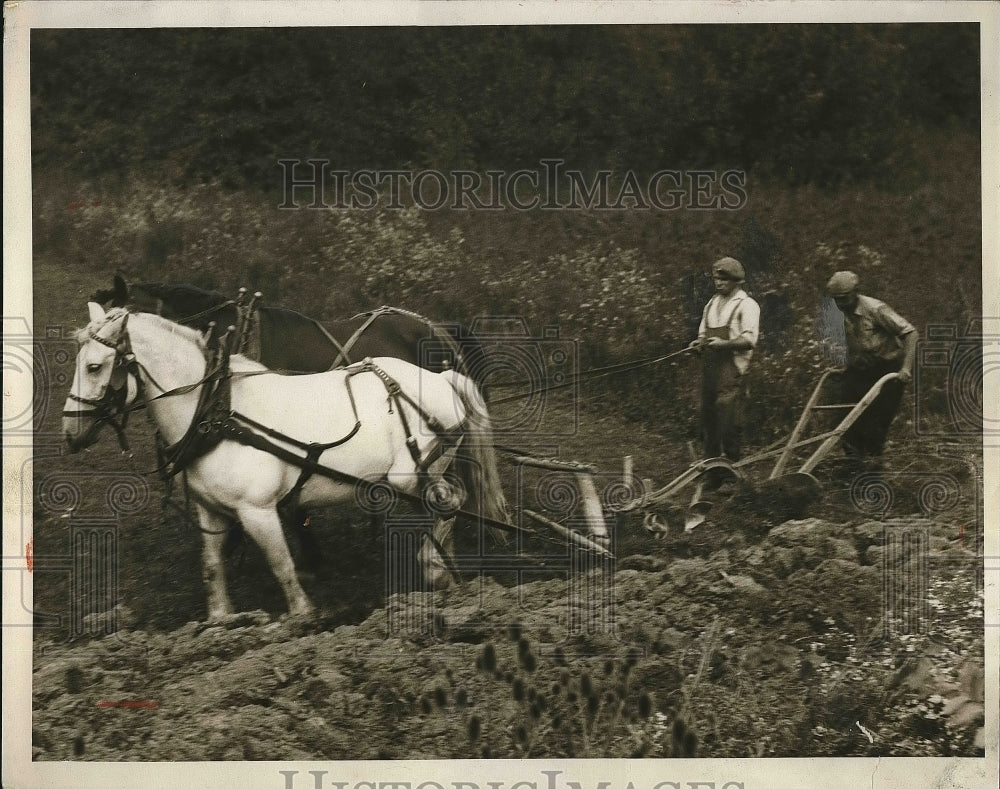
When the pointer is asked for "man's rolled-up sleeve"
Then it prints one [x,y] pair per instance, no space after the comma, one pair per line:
[750,321]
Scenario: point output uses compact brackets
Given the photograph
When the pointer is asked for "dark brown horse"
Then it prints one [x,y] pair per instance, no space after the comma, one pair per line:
[288,341]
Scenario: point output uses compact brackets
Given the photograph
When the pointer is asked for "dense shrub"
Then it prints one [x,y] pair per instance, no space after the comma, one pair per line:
[800,103]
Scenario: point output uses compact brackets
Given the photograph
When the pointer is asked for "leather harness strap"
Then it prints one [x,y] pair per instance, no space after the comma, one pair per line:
[214,399]
[215,421]
[343,351]
[309,464]
[446,437]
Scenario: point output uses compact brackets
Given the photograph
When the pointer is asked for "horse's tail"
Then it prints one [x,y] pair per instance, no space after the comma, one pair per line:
[476,460]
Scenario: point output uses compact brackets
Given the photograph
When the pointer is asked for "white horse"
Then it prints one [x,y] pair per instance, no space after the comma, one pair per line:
[365,433]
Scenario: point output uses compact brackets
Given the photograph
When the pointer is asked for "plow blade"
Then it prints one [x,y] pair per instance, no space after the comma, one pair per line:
[714,472]
[697,514]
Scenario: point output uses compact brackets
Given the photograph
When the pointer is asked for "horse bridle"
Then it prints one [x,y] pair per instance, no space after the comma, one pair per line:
[112,407]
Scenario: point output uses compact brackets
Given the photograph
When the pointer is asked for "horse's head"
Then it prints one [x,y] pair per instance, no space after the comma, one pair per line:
[104,385]
[117,295]
[186,304]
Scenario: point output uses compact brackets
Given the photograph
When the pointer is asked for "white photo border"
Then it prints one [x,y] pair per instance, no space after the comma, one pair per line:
[21,17]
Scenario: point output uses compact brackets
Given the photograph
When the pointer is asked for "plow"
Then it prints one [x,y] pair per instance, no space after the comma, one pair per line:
[783,492]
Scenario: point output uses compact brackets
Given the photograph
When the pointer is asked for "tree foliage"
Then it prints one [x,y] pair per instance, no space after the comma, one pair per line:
[804,103]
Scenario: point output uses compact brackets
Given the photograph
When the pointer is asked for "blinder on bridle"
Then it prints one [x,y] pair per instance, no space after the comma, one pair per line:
[113,407]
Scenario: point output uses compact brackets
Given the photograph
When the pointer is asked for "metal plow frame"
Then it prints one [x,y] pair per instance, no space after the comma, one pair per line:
[784,490]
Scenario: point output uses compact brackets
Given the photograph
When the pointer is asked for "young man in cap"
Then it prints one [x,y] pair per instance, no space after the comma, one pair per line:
[727,335]
[879,341]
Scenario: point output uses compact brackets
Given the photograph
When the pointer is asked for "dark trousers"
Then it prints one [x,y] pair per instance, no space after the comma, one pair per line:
[723,396]
[866,437]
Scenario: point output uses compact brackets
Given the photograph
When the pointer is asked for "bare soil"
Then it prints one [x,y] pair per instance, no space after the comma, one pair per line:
[857,630]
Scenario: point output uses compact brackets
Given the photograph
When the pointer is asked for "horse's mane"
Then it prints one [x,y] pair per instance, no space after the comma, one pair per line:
[161,324]
[238,362]
[172,327]
[175,291]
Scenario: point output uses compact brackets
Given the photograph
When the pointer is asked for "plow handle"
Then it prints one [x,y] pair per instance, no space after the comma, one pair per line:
[849,420]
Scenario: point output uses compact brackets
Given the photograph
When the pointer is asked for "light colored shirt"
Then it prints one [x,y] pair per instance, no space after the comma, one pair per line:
[874,333]
[741,314]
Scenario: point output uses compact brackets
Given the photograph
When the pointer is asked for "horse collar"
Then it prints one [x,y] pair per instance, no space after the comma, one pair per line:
[212,417]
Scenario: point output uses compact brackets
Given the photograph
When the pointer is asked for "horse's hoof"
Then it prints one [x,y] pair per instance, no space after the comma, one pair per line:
[302,609]
[215,620]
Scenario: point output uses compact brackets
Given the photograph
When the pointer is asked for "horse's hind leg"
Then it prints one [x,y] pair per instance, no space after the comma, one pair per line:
[264,527]
[215,531]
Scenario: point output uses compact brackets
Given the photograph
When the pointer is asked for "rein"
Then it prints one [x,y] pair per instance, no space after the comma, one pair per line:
[204,313]
[343,351]
[597,372]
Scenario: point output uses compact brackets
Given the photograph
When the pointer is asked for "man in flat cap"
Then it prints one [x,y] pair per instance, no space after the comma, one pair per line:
[879,341]
[727,335]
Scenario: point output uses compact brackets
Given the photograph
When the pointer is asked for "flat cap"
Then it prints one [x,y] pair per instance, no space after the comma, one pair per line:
[842,283]
[730,268]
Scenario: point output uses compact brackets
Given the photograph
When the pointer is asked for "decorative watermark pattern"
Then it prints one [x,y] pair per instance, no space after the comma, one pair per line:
[91,503]
[37,372]
[91,563]
[93,578]
[549,779]
[949,375]
[906,559]
[905,579]
[875,493]
[524,374]
[551,186]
